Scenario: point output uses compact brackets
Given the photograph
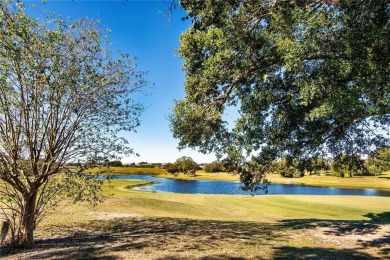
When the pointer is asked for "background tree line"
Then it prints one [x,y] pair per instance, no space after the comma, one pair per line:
[343,165]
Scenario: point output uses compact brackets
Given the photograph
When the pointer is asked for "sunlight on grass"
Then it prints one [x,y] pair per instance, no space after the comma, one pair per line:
[145,225]
[264,208]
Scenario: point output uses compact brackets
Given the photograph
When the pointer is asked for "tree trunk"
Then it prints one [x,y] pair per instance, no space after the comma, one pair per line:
[28,219]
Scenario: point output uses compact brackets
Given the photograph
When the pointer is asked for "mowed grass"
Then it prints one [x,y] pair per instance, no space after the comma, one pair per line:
[356,182]
[268,208]
[126,171]
[144,225]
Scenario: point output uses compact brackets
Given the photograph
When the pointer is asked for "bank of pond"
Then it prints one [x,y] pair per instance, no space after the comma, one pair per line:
[234,188]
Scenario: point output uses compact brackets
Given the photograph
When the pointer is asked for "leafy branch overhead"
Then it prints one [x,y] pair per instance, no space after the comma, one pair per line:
[306,77]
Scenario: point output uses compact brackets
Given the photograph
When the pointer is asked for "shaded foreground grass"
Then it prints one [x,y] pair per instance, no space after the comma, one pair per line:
[175,238]
[142,225]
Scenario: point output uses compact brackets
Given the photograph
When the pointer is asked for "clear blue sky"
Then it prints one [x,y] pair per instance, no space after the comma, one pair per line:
[140,29]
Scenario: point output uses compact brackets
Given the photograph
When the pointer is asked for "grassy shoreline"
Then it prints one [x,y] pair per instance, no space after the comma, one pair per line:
[132,224]
[143,225]
[121,198]
[367,182]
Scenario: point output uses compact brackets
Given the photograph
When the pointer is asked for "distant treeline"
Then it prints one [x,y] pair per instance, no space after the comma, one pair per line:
[343,165]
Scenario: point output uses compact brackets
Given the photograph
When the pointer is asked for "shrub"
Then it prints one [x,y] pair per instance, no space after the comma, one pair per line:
[214,167]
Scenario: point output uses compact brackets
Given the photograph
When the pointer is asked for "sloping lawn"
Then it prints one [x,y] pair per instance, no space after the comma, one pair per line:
[144,225]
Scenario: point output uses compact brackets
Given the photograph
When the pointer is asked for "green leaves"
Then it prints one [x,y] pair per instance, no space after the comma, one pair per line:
[305,77]
[64,96]
[379,161]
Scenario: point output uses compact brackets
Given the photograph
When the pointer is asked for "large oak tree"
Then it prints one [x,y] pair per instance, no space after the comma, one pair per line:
[306,77]
[64,97]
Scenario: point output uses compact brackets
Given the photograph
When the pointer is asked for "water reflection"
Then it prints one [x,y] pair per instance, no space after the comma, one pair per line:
[228,187]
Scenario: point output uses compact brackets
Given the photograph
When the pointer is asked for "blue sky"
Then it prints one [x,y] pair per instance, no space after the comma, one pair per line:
[140,29]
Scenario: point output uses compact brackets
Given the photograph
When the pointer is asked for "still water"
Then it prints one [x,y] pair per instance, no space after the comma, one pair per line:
[228,187]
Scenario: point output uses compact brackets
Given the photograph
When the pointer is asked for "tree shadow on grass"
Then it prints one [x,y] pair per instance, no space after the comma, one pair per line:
[379,218]
[355,228]
[342,227]
[101,239]
[172,238]
[319,253]
[383,242]
[335,227]
[209,257]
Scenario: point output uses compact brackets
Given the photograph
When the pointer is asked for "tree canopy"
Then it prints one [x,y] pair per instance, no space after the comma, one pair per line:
[64,97]
[185,165]
[350,165]
[215,166]
[306,77]
[379,161]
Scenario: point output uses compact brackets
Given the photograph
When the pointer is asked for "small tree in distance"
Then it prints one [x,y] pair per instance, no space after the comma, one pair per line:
[185,165]
[350,164]
[379,161]
[63,98]
[215,166]
[115,163]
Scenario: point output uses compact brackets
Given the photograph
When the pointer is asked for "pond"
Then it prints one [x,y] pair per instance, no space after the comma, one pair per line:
[228,187]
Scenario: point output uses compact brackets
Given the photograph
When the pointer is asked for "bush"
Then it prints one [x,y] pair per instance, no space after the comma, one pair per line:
[349,164]
[173,168]
[115,164]
[290,171]
[379,161]
[214,167]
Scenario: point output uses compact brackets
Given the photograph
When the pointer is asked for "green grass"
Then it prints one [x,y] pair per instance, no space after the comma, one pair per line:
[127,171]
[251,208]
[357,182]
[266,208]
[144,225]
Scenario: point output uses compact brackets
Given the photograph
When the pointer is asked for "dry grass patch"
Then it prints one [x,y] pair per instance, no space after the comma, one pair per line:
[143,225]
[173,238]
